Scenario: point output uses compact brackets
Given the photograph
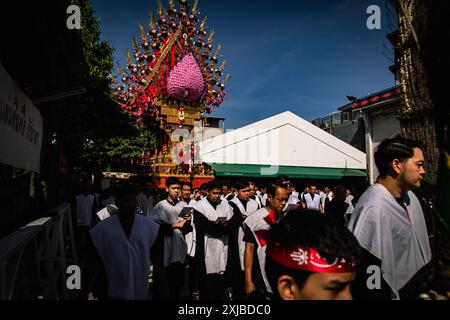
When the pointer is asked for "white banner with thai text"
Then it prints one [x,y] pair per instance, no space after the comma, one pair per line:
[21,126]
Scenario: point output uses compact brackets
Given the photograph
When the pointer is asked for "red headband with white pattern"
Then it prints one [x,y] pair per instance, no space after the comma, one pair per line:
[307,260]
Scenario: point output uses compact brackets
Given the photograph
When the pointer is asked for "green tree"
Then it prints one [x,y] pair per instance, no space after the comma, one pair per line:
[97,53]
[118,149]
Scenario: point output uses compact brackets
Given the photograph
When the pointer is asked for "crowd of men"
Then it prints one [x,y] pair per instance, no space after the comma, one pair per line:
[244,241]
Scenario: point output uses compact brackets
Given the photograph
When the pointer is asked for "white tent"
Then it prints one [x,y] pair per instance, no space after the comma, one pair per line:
[282,144]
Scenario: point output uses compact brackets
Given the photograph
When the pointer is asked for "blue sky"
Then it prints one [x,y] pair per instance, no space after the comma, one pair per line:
[301,56]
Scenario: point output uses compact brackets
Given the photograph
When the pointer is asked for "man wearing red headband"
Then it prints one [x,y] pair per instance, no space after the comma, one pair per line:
[310,257]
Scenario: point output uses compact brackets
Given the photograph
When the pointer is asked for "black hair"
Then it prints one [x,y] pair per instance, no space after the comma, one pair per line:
[310,229]
[340,193]
[214,185]
[185,183]
[283,178]
[125,190]
[272,188]
[204,186]
[241,184]
[172,181]
[226,183]
[391,149]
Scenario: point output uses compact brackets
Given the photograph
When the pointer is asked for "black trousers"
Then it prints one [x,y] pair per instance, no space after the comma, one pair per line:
[192,274]
[212,287]
[237,283]
[175,280]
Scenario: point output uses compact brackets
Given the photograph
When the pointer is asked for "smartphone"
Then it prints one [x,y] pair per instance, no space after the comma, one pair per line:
[221,220]
[186,212]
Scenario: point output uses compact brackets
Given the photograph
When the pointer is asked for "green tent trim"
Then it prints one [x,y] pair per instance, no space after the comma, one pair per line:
[266,171]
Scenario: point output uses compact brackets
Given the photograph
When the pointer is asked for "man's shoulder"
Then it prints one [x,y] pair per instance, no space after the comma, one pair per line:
[145,221]
[160,204]
[412,196]
[259,214]
[369,208]
[233,204]
[104,224]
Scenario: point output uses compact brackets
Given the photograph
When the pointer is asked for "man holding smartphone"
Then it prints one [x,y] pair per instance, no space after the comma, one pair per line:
[172,248]
[212,217]
[186,205]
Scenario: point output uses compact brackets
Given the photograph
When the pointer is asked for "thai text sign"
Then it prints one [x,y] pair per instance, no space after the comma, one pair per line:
[21,126]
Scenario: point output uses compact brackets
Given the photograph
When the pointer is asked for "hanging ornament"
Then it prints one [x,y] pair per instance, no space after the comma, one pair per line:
[181,116]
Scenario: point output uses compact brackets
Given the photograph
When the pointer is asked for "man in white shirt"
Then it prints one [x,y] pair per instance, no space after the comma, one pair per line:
[263,196]
[173,248]
[212,217]
[254,201]
[85,206]
[326,197]
[311,200]
[349,197]
[256,231]
[146,199]
[124,242]
[241,210]
[191,238]
[294,196]
[227,194]
[389,224]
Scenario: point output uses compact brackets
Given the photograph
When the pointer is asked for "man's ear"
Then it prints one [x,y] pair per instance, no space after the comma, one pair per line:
[397,166]
[287,287]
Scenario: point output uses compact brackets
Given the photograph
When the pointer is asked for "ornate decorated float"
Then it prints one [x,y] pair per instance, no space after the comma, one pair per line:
[173,80]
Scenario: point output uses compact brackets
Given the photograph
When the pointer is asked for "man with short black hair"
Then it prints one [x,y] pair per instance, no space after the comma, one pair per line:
[311,200]
[294,196]
[389,224]
[85,206]
[240,206]
[227,193]
[337,208]
[172,247]
[146,199]
[190,237]
[262,195]
[185,194]
[310,257]
[203,190]
[212,218]
[256,229]
[326,197]
[254,201]
[123,242]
